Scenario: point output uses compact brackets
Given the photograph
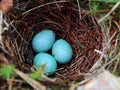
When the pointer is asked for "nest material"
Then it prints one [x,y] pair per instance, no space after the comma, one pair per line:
[84,35]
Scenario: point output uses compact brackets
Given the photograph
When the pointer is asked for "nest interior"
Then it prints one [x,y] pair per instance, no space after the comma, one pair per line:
[63,18]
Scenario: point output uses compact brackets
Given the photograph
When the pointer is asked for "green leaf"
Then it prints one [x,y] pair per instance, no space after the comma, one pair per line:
[37,75]
[95,7]
[6,71]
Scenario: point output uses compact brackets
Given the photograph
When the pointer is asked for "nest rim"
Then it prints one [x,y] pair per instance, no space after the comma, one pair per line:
[63,21]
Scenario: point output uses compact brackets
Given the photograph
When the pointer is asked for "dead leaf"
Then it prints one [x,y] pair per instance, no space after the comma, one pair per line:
[6,6]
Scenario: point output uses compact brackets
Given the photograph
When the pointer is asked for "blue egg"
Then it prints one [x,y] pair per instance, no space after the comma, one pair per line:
[44,58]
[62,51]
[43,41]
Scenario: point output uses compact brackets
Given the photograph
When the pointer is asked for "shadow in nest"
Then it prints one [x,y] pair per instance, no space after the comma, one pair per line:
[62,17]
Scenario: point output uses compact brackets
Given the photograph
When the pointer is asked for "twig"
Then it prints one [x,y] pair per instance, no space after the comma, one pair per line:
[117,24]
[118,55]
[99,62]
[14,28]
[86,80]
[2,29]
[114,7]
[43,5]
[1,20]
[30,81]
[17,80]
[116,65]
[48,79]
[10,82]
[100,52]
[79,9]
[18,53]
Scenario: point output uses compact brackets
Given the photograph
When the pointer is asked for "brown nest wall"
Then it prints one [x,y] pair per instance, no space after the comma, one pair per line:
[83,34]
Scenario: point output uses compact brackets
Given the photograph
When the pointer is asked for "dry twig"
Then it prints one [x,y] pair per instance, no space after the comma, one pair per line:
[30,81]
[114,7]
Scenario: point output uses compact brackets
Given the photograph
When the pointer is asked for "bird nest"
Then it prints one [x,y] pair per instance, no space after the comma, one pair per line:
[76,26]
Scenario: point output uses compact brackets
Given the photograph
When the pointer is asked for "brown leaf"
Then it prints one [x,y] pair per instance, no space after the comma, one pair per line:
[6,6]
